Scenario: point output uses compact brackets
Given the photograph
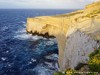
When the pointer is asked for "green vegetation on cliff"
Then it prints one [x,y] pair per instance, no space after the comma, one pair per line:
[94,62]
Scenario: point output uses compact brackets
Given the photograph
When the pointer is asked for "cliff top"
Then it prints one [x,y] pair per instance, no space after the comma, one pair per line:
[87,20]
[93,5]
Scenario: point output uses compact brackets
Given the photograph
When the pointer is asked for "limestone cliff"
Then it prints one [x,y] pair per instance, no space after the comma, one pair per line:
[77,33]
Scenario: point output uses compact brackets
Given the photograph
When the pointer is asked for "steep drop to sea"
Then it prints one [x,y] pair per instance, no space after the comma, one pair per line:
[77,33]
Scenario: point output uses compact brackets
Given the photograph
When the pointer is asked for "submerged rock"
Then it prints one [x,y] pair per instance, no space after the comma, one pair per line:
[77,33]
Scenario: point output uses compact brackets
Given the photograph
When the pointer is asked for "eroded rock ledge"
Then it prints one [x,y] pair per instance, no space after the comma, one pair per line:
[77,33]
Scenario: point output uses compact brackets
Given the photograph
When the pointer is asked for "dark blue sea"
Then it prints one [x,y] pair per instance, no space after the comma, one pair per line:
[22,53]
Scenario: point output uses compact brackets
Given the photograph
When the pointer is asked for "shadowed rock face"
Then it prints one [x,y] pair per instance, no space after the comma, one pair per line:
[77,33]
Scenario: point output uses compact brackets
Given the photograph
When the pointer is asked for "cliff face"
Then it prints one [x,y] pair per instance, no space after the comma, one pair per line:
[77,33]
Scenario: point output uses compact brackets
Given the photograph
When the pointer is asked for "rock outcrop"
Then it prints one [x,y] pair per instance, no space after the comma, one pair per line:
[77,33]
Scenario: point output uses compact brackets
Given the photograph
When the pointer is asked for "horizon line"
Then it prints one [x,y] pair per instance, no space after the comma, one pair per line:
[44,9]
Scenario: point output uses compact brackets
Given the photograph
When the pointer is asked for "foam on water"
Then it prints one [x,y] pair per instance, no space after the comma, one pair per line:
[22,34]
[42,70]
[25,36]
[52,57]
[3,58]
[21,31]
[50,43]
[4,28]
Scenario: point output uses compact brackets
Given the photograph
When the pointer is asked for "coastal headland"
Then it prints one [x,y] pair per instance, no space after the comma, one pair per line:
[77,33]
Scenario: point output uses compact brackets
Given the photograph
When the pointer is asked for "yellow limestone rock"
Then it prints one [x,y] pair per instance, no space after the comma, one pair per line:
[77,33]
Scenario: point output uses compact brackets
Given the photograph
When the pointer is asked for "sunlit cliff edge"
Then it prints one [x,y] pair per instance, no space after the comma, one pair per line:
[77,33]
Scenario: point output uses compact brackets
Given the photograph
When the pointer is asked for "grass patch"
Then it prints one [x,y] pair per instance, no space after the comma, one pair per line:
[94,62]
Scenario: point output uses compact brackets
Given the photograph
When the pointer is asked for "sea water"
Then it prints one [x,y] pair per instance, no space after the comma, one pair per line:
[22,53]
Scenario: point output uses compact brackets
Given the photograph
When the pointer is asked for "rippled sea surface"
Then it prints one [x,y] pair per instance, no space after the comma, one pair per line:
[22,53]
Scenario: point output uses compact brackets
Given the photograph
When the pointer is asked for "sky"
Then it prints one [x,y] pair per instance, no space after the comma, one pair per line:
[44,4]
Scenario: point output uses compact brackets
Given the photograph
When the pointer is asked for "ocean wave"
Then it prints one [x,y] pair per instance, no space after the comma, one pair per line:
[42,70]
[4,28]
[22,35]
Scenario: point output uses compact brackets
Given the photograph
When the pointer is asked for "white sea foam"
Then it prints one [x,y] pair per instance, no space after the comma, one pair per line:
[42,70]
[52,57]
[3,58]
[33,60]
[50,43]
[23,22]
[22,35]
[21,31]
[4,28]
[50,65]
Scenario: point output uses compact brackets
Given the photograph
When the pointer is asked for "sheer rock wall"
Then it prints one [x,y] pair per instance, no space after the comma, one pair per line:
[77,33]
